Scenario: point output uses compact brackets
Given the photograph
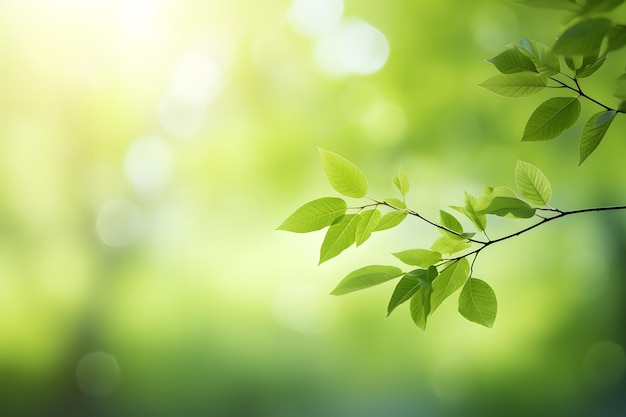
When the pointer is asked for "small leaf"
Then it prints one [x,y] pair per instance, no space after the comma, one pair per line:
[479,220]
[420,301]
[418,257]
[551,118]
[401,182]
[489,193]
[599,6]
[620,87]
[366,277]
[589,66]
[394,202]
[369,220]
[515,85]
[532,184]
[541,55]
[617,37]
[478,303]
[449,222]
[343,175]
[315,215]
[594,132]
[512,61]
[407,286]
[339,236]
[509,207]
[390,220]
[451,279]
[449,246]
[583,38]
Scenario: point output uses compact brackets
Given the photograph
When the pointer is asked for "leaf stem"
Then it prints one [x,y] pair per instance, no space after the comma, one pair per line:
[579,90]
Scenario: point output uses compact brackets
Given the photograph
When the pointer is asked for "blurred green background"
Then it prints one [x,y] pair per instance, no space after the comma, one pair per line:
[150,148]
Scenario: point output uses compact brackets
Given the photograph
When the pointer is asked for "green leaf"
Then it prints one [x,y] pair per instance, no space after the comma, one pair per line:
[599,6]
[451,279]
[394,202]
[420,301]
[590,64]
[532,184]
[509,207]
[369,221]
[594,132]
[390,220]
[448,221]
[541,55]
[489,193]
[401,182]
[515,85]
[512,61]
[366,277]
[343,175]
[583,38]
[478,303]
[340,236]
[315,215]
[479,220]
[406,288]
[620,87]
[617,37]
[551,118]
[449,246]
[418,257]
[553,4]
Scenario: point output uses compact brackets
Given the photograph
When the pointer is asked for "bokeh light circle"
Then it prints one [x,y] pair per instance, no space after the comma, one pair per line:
[98,374]
[119,223]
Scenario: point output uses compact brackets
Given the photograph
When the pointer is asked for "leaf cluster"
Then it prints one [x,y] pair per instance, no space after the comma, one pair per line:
[528,67]
[432,274]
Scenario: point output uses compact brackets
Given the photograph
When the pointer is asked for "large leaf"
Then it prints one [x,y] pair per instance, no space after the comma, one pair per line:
[594,132]
[541,55]
[515,85]
[583,38]
[343,175]
[489,193]
[339,236]
[478,303]
[369,221]
[401,182]
[451,279]
[509,207]
[390,220]
[315,215]
[532,184]
[551,118]
[406,288]
[419,257]
[512,61]
[366,277]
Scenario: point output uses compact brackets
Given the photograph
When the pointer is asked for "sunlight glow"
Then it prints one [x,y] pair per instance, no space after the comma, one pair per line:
[197,80]
[353,47]
[312,18]
[148,164]
[119,223]
[138,17]
[301,308]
